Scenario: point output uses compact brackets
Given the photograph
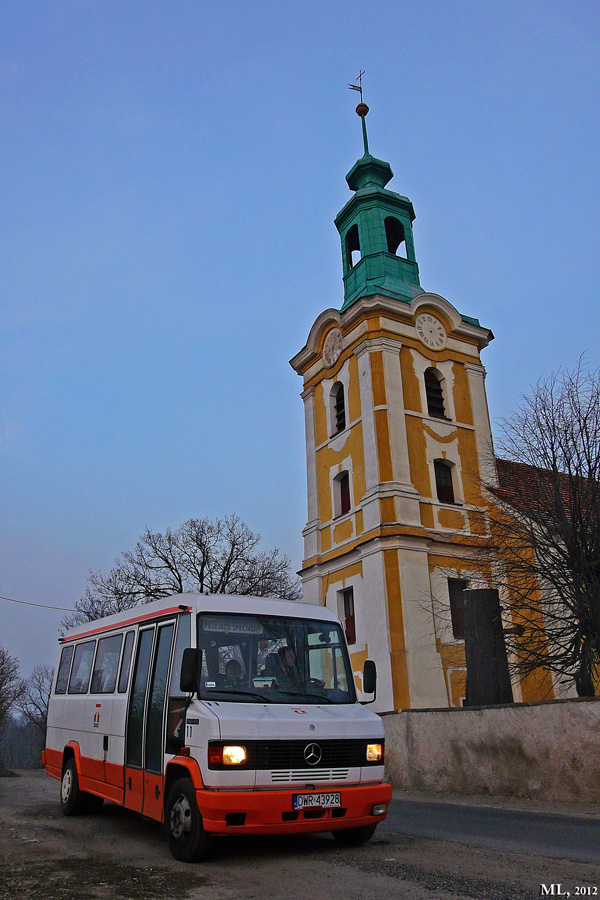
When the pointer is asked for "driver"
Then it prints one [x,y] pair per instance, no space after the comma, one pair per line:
[288,676]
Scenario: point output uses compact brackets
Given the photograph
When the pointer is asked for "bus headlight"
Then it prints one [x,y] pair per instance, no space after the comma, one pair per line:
[374,752]
[234,756]
[226,755]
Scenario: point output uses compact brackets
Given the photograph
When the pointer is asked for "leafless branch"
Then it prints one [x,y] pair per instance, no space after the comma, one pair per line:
[202,556]
[544,527]
[33,701]
[11,685]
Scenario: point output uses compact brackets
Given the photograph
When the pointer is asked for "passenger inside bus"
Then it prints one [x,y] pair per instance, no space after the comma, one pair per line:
[233,674]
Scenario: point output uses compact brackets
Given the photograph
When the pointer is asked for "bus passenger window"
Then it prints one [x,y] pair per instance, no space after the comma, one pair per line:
[63,670]
[107,662]
[126,662]
[82,668]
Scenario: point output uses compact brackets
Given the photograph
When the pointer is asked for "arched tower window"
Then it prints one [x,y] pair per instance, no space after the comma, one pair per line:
[341,486]
[443,481]
[394,233]
[435,395]
[353,253]
[338,408]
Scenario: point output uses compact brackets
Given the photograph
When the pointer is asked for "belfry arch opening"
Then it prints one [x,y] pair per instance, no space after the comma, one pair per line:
[435,394]
[338,408]
[353,254]
[394,234]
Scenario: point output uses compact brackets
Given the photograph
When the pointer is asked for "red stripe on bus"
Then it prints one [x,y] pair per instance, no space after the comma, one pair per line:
[154,615]
[92,768]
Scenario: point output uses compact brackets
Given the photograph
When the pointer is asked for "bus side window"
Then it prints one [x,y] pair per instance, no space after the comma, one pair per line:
[63,670]
[177,702]
[105,667]
[126,661]
[82,668]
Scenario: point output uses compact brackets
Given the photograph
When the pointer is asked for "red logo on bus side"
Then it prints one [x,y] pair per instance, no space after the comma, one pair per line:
[301,712]
[97,716]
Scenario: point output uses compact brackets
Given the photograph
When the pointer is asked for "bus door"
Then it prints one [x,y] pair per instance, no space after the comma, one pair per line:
[134,773]
[144,750]
[155,715]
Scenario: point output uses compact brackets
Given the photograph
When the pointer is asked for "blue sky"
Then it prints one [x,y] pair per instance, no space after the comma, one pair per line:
[170,176]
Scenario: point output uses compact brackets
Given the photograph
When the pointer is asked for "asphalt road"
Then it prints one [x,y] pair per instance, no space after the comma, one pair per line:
[559,836]
[118,855]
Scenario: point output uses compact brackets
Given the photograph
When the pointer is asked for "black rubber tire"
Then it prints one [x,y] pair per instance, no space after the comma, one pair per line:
[186,837]
[354,837]
[72,799]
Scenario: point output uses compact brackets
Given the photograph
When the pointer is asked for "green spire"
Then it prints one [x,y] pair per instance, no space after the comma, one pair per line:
[375,227]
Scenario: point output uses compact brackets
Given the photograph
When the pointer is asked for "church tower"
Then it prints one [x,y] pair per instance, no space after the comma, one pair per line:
[397,439]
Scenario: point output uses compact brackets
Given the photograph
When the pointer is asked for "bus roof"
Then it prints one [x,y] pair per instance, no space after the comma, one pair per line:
[224,603]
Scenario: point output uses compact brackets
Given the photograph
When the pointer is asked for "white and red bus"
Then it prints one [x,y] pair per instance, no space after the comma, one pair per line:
[218,715]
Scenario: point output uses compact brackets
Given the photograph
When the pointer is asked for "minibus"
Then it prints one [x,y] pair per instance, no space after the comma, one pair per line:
[218,715]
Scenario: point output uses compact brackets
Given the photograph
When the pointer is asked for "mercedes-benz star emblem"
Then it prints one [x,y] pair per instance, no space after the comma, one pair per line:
[312,754]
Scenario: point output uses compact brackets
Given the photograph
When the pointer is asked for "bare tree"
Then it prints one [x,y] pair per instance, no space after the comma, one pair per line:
[10,684]
[33,700]
[201,556]
[545,528]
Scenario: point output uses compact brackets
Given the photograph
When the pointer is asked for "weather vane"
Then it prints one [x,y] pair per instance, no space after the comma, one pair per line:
[362,109]
[358,87]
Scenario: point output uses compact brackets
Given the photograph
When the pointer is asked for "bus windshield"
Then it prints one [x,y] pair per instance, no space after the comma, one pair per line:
[269,659]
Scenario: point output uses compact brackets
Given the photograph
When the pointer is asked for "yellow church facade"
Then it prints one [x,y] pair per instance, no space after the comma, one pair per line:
[398,442]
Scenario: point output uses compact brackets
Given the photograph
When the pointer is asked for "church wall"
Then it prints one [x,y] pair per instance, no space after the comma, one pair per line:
[366,577]
[411,388]
[426,678]
[395,602]
[462,394]
[539,751]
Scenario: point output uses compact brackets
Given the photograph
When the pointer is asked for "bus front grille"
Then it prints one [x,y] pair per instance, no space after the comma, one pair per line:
[279,776]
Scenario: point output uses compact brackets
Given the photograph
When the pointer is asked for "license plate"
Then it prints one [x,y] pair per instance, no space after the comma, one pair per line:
[330,800]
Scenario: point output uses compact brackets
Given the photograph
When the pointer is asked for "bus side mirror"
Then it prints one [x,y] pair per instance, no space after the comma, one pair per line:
[370,678]
[190,670]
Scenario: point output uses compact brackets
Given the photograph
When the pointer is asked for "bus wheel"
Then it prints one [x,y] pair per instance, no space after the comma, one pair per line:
[72,799]
[355,837]
[187,839]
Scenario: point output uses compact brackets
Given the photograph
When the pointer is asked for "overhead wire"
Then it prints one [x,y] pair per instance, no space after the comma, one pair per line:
[42,605]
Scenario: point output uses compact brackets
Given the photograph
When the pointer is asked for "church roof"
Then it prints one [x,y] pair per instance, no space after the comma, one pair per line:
[533,490]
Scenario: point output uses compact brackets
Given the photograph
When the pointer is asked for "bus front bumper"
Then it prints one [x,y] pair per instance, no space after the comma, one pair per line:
[272,812]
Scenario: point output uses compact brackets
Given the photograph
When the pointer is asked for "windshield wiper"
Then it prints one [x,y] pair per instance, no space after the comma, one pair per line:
[322,697]
[226,690]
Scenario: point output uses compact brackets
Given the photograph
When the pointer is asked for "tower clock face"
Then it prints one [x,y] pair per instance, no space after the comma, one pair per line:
[431,331]
[332,347]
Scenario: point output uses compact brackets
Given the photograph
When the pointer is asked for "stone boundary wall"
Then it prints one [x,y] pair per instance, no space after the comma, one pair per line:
[538,751]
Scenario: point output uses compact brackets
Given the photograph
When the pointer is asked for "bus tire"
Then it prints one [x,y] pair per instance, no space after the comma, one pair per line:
[72,799]
[355,837]
[187,839]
